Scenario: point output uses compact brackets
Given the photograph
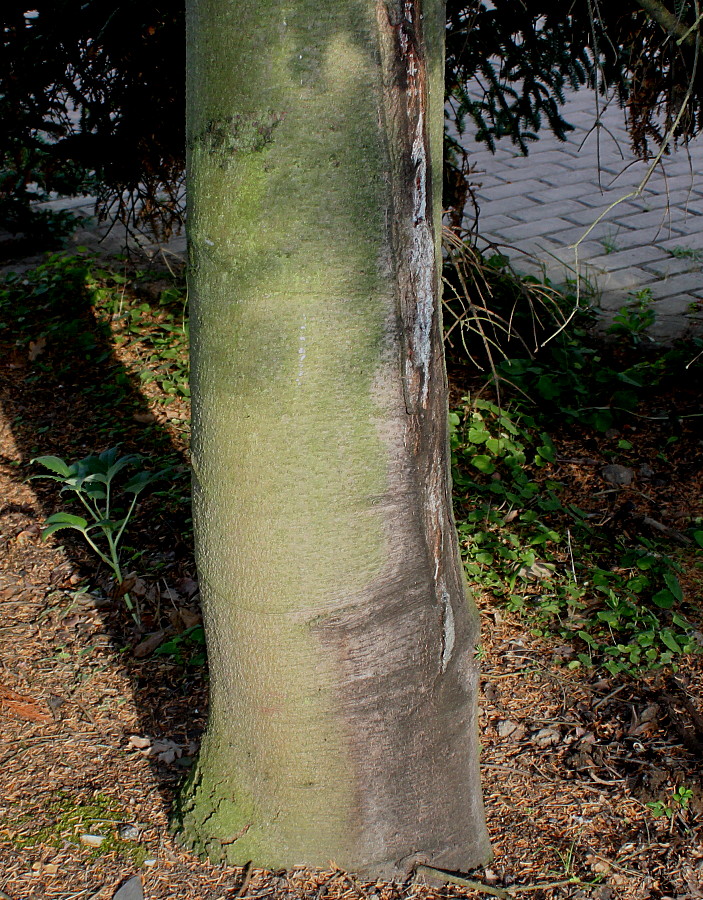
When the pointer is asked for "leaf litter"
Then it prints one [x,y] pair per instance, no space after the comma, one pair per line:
[96,732]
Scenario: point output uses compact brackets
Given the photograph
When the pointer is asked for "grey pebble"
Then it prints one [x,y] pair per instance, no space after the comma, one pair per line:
[130,890]
[615,474]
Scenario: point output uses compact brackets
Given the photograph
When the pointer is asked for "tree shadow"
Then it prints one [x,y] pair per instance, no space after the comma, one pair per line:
[65,392]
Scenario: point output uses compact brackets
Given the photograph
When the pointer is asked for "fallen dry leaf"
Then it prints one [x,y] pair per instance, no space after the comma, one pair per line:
[150,643]
[166,751]
[36,348]
[163,750]
[144,418]
[506,727]
[21,706]
[136,742]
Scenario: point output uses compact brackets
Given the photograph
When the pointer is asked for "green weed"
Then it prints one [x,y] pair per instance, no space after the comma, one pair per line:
[188,647]
[635,318]
[676,805]
[609,243]
[93,482]
[619,606]
[686,253]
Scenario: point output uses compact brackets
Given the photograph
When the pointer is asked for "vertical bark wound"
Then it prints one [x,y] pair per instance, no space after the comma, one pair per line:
[405,71]
[404,61]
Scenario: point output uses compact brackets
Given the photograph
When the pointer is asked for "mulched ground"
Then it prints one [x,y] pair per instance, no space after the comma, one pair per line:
[96,737]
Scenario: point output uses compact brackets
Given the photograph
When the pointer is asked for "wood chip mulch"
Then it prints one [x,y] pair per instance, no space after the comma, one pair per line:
[95,740]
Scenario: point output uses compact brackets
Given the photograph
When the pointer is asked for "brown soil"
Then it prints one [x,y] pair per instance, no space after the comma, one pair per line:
[96,736]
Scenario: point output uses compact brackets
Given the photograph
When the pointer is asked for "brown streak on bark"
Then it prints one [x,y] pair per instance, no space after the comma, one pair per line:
[412,233]
[413,246]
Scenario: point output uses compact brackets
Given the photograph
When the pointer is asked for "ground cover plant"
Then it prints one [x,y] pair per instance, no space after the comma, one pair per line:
[606,575]
[588,588]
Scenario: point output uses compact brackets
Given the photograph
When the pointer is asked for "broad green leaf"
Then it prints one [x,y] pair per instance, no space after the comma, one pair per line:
[63,520]
[137,483]
[107,525]
[50,529]
[53,464]
[95,491]
[67,519]
[548,388]
[108,457]
[483,464]
[681,622]
[547,451]
[664,599]
[478,435]
[668,639]
[120,464]
[672,582]
[484,558]
[96,476]
[141,480]
[698,538]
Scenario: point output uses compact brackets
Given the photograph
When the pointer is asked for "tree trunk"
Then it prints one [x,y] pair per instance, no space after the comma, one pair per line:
[341,642]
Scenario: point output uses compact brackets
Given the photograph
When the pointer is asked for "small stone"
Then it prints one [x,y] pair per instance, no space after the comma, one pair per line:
[150,862]
[621,476]
[130,890]
[129,833]
[92,840]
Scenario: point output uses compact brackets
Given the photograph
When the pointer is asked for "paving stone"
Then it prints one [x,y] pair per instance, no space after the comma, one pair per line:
[588,214]
[513,189]
[601,196]
[533,229]
[688,241]
[685,284]
[495,225]
[634,256]
[601,231]
[636,237]
[660,218]
[572,190]
[670,266]
[632,279]
[549,172]
[515,203]
[557,209]
[681,198]
[485,181]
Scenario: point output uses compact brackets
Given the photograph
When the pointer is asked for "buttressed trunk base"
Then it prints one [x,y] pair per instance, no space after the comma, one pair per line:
[341,642]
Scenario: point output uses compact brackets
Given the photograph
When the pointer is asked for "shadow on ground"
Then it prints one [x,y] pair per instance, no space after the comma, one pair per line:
[64,392]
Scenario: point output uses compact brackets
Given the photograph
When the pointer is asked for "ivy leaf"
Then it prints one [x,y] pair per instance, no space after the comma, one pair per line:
[483,464]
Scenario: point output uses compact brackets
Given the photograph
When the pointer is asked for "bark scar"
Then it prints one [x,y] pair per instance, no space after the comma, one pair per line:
[405,84]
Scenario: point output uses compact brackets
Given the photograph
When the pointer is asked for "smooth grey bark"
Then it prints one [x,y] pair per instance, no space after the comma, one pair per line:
[341,641]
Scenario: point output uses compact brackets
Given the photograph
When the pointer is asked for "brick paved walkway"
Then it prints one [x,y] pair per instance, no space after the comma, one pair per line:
[541,205]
